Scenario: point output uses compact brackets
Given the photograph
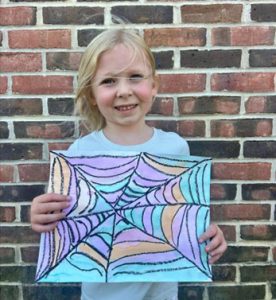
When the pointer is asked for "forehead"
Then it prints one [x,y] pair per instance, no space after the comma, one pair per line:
[121,59]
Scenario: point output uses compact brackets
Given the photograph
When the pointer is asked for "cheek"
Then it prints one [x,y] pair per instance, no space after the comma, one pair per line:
[103,97]
[145,92]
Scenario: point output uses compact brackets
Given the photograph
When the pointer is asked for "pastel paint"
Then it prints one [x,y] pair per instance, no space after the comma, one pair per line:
[132,217]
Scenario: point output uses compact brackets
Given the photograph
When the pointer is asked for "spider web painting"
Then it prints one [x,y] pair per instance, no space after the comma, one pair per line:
[132,217]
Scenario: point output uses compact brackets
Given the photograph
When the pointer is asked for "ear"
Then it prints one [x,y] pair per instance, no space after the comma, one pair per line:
[92,99]
[155,85]
[93,102]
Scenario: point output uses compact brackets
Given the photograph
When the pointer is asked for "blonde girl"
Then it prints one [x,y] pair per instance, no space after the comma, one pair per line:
[117,84]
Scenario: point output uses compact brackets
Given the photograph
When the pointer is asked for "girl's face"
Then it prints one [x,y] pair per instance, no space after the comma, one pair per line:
[123,87]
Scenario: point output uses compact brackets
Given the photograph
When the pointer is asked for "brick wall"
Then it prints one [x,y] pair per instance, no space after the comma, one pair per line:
[217,63]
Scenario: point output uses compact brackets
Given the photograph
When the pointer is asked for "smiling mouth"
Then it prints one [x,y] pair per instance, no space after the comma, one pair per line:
[125,107]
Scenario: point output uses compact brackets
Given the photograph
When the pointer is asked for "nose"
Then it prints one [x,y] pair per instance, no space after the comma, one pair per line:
[123,88]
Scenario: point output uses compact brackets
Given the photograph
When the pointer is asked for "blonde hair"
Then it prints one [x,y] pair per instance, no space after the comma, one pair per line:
[91,117]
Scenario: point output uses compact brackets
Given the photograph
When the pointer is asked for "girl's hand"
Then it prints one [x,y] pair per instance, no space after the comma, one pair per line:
[217,245]
[46,211]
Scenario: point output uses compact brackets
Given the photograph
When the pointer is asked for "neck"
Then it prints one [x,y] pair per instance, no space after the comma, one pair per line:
[127,135]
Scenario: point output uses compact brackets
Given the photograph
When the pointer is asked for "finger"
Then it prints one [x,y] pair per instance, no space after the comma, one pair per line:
[219,250]
[45,208]
[216,255]
[45,198]
[49,218]
[213,259]
[43,223]
[44,228]
[209,233]
[213,244]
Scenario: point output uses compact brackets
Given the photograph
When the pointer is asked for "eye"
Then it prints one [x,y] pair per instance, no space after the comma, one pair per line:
[108,81]
[136,77]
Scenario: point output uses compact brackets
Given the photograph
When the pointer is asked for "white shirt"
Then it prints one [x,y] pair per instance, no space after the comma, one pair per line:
[161,142]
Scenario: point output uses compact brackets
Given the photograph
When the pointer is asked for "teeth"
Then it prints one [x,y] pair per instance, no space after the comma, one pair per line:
[125,107]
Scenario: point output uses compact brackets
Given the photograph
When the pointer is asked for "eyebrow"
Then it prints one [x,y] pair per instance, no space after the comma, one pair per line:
[119,73]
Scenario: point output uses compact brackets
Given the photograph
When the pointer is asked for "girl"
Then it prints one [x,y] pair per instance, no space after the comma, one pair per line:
[117,85]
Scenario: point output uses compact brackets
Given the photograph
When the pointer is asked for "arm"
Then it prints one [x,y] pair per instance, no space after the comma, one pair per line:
[217,245]
[46,211]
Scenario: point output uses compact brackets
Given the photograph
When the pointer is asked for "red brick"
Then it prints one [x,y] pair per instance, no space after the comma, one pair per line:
[242,171]
[242,254]
[229,232]
[29,254]
[261,104]
[16,151]
[182,83]
[223,191]
[184,128]
[259,191]
[263,13]
[20,62]
[213,13]
[209,105]
[20,193]
[162,106]
[175,37]
[243,36]
[215,148]
[17,15]
[6,173]
[262,58]
[141,14]
[264,128]
[61,106]
[44,130]
[243,82]
[237,292]
[33,85]
[33,172]
[73,15]
[25,213]
[241,128]
[223,128]
[7,214]
[166,125]
[274,253]
[4,130]
[20,106]
[261,232]
[18,234]
[164,0]
[258,273]
[228,212]
[63,60]
[3,84]
[223,273]
[191,128]
[255,104]
[202,59]
[40,39]
[7,255]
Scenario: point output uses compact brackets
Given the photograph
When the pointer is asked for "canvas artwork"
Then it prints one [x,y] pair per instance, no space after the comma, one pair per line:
[133,217]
